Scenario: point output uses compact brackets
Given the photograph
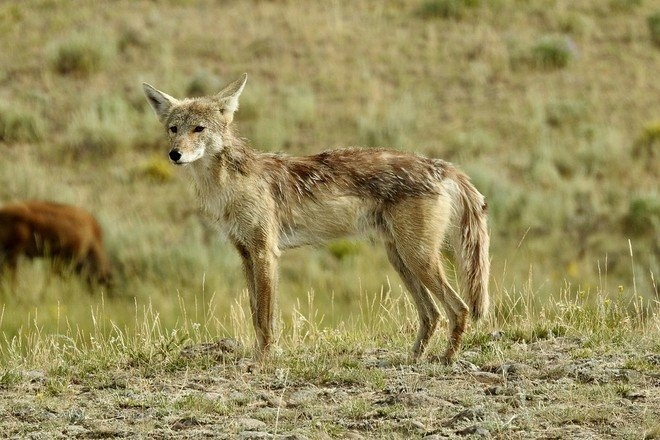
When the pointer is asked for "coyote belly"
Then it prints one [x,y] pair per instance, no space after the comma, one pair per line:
[318,222]
[266,203]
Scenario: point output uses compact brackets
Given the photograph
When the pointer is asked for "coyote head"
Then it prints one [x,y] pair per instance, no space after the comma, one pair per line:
[195,126]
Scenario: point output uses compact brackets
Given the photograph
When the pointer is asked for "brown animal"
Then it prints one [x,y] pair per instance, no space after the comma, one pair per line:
[266,203]
[65,233]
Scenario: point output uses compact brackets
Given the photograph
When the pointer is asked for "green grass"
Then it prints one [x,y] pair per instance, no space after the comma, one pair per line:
[18,125]
[654,27]
[625,5]
[552,53]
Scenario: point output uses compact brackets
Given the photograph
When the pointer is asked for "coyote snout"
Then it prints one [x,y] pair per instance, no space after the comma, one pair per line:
[44,229]
[266,203]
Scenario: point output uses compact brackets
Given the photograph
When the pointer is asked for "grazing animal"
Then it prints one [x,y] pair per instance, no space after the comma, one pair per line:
[65,233]
[266,203]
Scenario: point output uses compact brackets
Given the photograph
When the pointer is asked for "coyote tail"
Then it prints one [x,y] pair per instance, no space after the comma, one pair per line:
[474,242]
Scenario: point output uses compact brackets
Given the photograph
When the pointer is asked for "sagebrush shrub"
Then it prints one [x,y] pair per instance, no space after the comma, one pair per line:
[552,52]
[447,8]
[80,56]
[20,125]
[654,27]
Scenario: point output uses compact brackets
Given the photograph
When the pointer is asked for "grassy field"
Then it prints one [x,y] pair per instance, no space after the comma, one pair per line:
[575,368]
[553,107]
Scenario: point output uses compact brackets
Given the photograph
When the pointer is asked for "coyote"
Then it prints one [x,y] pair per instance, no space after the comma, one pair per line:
[266,203]
[46,229]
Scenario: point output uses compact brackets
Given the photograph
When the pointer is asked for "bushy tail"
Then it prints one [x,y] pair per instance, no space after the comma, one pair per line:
[474,241]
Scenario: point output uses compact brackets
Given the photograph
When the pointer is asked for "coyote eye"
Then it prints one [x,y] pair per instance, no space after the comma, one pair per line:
[199,129]
[173,129]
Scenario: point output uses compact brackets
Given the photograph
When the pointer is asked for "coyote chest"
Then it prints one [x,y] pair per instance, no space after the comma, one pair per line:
[239,208]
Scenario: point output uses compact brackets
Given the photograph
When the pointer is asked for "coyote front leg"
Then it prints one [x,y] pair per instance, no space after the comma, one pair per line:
[248,271]
[264,267]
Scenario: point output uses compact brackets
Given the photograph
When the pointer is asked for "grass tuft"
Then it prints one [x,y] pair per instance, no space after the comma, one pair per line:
[552,52]
[272,117]
[81,56]
[389,125]
[342,249]
[643,216]
[158,169]
[203,83]
[20,125]
[565,113]
[624,5]
[102,130]
[452,9]
[646,146]
[132,37]
[653,22]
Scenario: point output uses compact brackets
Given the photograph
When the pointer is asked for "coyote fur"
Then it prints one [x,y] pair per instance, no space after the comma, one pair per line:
[65,233]
[266,203]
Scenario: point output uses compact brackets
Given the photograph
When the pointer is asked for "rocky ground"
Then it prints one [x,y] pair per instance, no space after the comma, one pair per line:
[551,389]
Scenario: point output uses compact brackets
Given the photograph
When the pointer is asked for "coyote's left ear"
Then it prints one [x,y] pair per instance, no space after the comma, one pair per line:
[228,97]
[159,101]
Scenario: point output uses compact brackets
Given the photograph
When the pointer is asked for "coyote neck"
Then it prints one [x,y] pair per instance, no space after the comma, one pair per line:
[214,176]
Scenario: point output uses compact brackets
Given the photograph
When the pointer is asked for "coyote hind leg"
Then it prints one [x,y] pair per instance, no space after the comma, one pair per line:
[427,269]
[427,311]
[457,311]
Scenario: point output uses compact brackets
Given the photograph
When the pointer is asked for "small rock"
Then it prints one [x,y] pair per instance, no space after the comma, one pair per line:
[247,424]
[212,395]
[302,397]
[75,415]
[513,370]
[254,434]
[35,375]
[75,431]
[218,350]
[479,431]
[634,395]
[485,377]
[416,424]
[627,375]
[294,436]
[185,423]
[462,366]
[470,414]
[496,335]
[653,359]
[495,391]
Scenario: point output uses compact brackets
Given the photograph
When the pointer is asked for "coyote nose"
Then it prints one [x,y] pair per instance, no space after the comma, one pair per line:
[175,155]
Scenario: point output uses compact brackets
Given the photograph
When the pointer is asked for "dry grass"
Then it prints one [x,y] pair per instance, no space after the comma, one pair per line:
[551,107]
[576,366]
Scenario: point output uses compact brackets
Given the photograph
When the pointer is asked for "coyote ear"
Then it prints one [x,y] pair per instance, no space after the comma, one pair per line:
[228,97]
[159,101]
